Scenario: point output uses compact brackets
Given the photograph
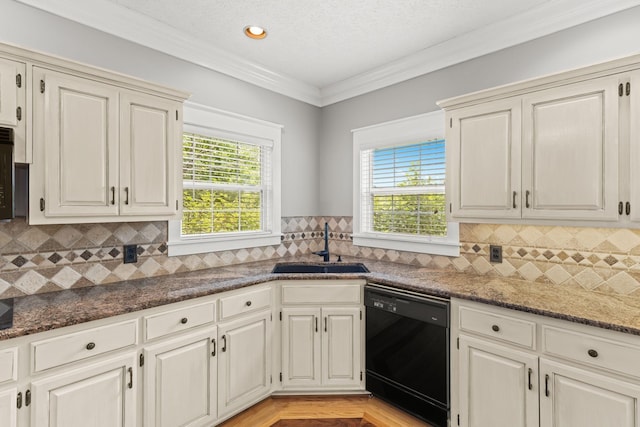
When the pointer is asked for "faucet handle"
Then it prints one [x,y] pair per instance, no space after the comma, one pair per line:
[339,258]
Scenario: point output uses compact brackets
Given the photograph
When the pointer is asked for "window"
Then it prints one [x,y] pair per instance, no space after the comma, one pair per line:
[231,183]
[400,201]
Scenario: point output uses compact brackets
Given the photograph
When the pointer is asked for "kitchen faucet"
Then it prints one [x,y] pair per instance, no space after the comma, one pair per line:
[325,252]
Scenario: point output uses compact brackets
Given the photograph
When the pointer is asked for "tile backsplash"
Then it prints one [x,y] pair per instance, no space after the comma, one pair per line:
[36,259]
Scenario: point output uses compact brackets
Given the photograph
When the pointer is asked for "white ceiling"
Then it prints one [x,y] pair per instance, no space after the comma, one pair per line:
[324,51]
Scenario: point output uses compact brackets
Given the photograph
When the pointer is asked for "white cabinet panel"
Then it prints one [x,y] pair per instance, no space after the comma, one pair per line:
[180,381]
[498,385]
[634,148]
[148,141]
[576,397]
[301,347]
[570,151]
[483,150]
[98,395]
[8,408]
[244,361]
[341,346]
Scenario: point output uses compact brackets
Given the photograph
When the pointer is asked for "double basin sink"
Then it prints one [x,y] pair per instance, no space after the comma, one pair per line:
[297,267]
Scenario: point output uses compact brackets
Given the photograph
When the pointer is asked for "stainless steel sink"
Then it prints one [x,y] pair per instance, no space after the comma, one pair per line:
[297,267]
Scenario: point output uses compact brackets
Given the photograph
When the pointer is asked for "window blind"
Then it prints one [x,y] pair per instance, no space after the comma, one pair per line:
[402,189]
[226,185]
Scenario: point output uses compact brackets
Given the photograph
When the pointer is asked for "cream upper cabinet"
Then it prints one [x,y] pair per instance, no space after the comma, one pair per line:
[102,153]
[633,207]
[570,151]
[483,148]
[149,154]
[13,105]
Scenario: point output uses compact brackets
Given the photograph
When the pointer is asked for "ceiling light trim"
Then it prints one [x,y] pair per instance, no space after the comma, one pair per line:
[117,20]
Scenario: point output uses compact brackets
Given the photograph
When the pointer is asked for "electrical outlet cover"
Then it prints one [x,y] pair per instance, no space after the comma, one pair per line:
[130,254]
[495,253]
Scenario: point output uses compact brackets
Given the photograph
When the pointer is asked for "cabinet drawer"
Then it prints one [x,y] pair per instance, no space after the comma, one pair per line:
[504,328]
[321,294]
[245,302]
[592,350]
[182,319]
[81,345]
[8,364]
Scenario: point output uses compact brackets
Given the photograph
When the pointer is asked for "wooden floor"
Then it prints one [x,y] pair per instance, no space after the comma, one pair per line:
[323,411]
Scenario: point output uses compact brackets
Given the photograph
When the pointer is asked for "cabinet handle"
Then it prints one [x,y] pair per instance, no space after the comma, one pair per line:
[184,320]
[213,341]
[130,385]
[592,353]
[113,195]
[526,203]
[316,323]
[126,193]
[546,385]
[91,346]
[248,303]
[529,379]
[27,398]
[514,199]
[224,343]
[19,400]
[628,208]
[325,324]
[628,86]
[495,328]
[620,208]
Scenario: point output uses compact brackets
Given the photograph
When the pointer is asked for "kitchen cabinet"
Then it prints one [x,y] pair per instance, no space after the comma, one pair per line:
[102,153]
[548,154]
[99,394]
[515,369]
[244,361]
[322,336]
[180,380]
[13,105]
[8,407]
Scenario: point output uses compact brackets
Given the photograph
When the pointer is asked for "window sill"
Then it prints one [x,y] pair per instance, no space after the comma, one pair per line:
[195,245]
[427,245]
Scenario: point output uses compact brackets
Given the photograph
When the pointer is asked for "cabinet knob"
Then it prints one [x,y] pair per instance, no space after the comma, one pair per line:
[184,320]
[592,353]
[495,328]
[248,303]
[91,346]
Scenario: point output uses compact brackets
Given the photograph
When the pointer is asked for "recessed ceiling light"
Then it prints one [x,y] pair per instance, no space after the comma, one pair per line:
[255,32]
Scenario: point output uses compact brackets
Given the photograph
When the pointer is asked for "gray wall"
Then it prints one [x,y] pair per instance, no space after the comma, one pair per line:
[34,29]
[607,38]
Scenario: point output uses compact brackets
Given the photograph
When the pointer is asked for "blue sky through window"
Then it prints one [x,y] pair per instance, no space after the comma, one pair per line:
[392,166]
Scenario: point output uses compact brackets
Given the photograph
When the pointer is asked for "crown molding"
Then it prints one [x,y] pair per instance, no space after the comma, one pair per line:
[546,19]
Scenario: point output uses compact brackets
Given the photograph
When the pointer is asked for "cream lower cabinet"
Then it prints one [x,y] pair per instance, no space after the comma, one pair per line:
[512,369]
[8,407]
[100,394]
[244,361]
[180,381]
[321,335]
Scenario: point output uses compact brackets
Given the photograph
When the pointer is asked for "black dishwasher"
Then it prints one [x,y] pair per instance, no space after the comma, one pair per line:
[407,351]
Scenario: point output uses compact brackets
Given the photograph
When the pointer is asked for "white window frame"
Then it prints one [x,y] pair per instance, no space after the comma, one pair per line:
[212,122]
[406,131]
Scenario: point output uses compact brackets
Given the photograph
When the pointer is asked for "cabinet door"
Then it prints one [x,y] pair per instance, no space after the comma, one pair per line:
[244,362]
[8,408]
[572,396]
[570,151]
[483,155]
[12,97]
[180,381]
[341,343]
[148,154]
[301,347]
[498,386]
[99,395]
[79,127]
[634,146]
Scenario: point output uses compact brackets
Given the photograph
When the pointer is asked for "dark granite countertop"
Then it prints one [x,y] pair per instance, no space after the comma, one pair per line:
[43,312]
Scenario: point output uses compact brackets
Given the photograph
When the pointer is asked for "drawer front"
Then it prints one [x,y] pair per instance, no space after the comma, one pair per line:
[182,319]
[245,302]
[504,328]
[8,364]
[321,294]
[591,350]
[81,345]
